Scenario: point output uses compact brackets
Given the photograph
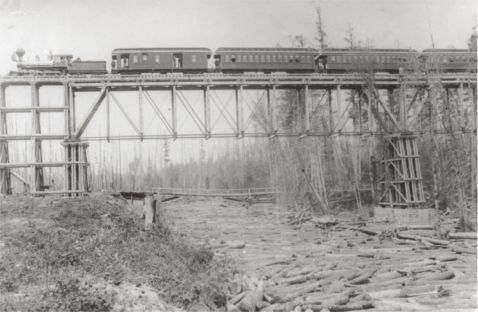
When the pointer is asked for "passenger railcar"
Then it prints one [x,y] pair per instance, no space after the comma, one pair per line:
[448,60]
[162,60]
[265,60]
[367,60]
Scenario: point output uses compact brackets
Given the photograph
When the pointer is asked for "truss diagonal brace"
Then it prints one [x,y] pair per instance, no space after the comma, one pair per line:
[90,113]
[387,110]
[140,134]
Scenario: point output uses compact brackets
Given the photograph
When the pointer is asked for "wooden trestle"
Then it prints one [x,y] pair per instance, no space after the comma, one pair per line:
[401,182]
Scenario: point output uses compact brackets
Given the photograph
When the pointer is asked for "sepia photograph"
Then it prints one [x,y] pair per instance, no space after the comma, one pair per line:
[238,155]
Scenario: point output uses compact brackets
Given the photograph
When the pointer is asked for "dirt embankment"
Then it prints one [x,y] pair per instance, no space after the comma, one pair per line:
[91,254]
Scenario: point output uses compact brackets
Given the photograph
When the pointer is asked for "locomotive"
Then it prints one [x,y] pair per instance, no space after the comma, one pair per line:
[264,60]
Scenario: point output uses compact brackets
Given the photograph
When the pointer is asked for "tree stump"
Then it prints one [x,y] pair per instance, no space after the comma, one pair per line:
[149,212]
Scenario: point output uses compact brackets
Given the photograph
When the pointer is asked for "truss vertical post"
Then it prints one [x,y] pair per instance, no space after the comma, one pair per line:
[402,98]
[269,112]
[473,144]
[273,109]
[331,113]
[299,113]
[359,92]
[108,115]
[37,172]
[173,111]
[140,103]
[338,100]
[207,111]
[239,111]
[72,110]
[371,129]
[5,181]
[66,100]
[307,108]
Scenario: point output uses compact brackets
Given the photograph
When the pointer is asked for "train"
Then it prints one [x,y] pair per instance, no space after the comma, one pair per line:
[264,60]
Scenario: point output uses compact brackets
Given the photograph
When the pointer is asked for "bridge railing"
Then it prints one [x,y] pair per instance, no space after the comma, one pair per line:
[219,192]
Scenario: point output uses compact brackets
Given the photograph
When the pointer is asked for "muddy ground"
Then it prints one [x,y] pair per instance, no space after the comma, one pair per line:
[92,254]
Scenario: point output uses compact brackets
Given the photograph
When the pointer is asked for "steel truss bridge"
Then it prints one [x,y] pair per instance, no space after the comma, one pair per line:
[380,114]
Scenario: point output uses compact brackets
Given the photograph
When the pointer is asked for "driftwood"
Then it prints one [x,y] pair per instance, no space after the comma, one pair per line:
[363,230]
[362,279]
[414,227]
[423,238]
[461,250]
[463,235]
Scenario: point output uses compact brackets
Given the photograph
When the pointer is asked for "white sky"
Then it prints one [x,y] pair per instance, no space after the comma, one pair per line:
[92,28]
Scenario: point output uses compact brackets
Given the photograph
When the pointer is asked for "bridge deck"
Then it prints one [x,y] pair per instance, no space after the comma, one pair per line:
[227,81]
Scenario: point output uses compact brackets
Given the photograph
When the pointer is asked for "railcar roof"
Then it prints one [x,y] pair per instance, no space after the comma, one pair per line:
[447,50]
[171,49]
[368,50]
[268,49]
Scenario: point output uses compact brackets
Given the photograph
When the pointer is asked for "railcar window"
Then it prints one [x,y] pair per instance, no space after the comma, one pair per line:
[308,58]
[274,59]
[239,58]
[233,58]
[332,58]
[268,58]
[279,58]
[156,58]
[227,58]
[145,57]
[256,58]
[251,59]
[262,58]
[135,59]
[193,58]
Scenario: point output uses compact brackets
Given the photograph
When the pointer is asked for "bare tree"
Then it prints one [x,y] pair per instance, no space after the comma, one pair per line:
[472,41]
[321,35]
[350,37]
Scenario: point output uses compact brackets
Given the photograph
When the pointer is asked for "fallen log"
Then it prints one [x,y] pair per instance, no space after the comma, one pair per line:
[363,230]
[333,299]
[362,279]
[286,294]
[423,238]
[463,235]
[414,227]
[421,290]
[438,276]
[461,250]
[359,305]
[383,277]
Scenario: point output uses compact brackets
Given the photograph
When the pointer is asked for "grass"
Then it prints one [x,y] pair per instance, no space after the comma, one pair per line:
[74,254]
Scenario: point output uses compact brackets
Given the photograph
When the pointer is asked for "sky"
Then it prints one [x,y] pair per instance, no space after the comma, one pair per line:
[90,29]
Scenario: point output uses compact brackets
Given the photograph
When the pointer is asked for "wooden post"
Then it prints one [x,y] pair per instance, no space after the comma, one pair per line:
[150,212]
[108,116]
[37,172]
[173,111]
[307,108]
[5,181]
[207,111]
[403,106]
[473,145]
[140,103]
[433,102]
[331,116]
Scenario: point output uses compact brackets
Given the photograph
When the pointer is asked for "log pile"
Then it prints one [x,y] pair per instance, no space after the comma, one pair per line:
[371,271]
